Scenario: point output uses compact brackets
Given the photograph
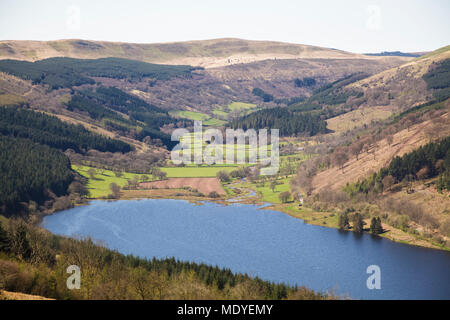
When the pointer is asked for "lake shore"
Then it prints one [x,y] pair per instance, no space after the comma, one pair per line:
[267,243]
[309,216]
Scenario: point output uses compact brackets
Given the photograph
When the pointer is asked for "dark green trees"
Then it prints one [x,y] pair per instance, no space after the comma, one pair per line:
[21,245]
[358,223]
[51,131]
[375,226]
[28,171]
[305,82]
[262,94]
[5,242]
[144,118]
[438,79]
[443,182]
[344,221]
[67,72]
[289,123]
[432,158]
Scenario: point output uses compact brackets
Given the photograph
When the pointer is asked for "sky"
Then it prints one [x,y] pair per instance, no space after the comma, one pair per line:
[361,26]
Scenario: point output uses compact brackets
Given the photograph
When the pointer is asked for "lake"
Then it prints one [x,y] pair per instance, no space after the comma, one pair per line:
[264,243]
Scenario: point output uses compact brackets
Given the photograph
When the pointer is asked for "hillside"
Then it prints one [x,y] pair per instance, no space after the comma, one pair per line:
[205,53]
[54,85]
[401,87]
[381,154]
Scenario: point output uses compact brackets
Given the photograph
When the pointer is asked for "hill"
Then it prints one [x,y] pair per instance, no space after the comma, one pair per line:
[396,54]
[205,53]
[401,87]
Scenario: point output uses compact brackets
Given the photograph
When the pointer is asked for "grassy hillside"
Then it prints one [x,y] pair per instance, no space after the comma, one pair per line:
[214,52]
[402,87]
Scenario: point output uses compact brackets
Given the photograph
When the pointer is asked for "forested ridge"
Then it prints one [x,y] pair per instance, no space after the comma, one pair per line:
[428,161]
[133,106]
[438,79]
[329,95]
[108,103]
[32,165]
[68,72]
[120,100]
[51,131]
[28,170]
[289,123]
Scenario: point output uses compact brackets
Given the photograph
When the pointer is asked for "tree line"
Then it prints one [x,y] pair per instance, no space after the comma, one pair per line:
[289,123]
[105,103]
[438,79]
[305,82]
[51,131]
[30,172]
[428,161]
[61,72]
[267,97]
[329,95]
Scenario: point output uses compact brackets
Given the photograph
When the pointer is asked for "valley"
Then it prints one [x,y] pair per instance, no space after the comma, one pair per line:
[87,125]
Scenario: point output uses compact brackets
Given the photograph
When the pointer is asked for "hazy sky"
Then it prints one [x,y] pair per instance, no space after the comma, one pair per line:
[352,25]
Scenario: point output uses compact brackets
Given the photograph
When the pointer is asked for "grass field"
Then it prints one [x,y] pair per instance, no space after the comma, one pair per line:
[239,149]
[241,106]
[99,186]
[10,100]
[358,118]
[309,215]
[196,172]
[272,196]
[264,192]
[191,115]
[220,113]
[213,122]
[199,116]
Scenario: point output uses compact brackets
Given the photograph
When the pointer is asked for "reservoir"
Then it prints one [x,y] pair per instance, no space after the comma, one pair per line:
[264,243]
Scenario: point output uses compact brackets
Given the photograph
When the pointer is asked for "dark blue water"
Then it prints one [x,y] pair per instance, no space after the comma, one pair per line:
[264,243]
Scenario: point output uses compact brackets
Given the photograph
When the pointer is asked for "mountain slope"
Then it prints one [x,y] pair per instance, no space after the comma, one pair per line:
[401,87]
[205,53]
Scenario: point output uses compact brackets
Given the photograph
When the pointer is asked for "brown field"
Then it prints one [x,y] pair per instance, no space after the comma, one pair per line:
[203,185]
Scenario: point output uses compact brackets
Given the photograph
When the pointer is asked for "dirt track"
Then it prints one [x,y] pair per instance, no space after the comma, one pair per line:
[203,185]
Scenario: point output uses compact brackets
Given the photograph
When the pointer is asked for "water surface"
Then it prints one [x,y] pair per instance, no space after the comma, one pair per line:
[264,243]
